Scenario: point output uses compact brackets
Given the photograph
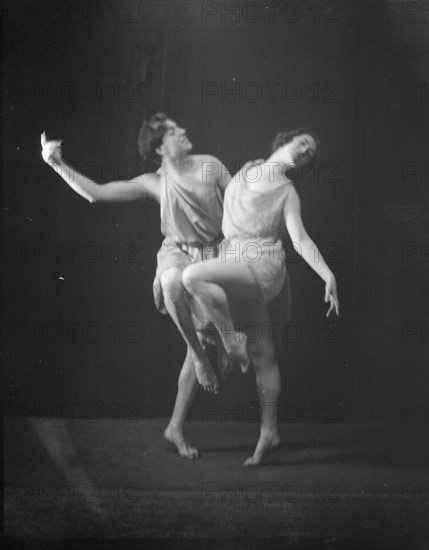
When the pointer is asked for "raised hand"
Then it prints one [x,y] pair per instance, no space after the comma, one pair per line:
[331,296]
[51,150]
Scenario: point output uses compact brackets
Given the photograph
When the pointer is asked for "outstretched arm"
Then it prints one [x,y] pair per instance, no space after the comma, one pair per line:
[308,250]
[140,187]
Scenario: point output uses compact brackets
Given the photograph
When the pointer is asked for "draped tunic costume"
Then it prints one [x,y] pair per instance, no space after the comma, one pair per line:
[191,218]
[252,226]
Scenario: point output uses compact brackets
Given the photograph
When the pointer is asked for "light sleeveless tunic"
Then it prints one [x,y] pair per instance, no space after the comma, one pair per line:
[252,226]
[191,219]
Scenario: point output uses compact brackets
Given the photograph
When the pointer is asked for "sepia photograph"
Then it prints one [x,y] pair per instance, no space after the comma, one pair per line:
[214,261]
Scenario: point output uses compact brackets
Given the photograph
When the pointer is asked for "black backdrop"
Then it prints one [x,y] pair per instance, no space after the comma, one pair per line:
[80,331]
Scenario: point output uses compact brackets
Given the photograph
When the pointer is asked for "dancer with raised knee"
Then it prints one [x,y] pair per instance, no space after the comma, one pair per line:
[250,268]
[190,191]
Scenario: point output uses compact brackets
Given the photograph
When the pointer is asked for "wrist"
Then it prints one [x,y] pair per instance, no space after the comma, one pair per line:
[330,279]
[57,165]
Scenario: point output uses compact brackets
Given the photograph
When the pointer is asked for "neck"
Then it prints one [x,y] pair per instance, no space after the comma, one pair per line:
[178,164]
[281,160]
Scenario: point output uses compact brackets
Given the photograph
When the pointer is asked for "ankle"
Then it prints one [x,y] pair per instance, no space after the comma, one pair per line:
[268,431]
[172,426]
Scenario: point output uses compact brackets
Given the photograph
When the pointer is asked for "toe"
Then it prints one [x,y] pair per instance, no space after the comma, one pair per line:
[251,461]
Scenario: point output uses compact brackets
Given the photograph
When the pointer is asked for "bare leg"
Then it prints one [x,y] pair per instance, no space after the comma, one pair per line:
[187,388]
[210,283]
[268,381]
[177,305]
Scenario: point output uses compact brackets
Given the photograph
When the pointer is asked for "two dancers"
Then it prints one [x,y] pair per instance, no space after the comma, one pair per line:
[193,283]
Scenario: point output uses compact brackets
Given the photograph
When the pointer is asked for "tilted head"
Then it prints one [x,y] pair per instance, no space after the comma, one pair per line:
[160,136]
[302,145]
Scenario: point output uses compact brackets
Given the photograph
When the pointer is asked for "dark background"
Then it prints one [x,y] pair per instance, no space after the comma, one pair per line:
[89,73]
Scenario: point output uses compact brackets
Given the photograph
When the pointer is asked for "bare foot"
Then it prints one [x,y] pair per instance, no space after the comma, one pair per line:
[267,440]
[236,346]
[175,436]
[205,374]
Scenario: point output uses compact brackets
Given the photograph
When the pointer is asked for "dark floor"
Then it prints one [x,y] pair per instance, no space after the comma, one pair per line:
[330,483]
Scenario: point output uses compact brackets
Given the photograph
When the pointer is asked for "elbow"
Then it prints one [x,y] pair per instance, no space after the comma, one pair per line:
[298,246]
[298,242]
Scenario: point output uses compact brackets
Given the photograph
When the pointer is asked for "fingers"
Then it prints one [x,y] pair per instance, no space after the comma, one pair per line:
[331,307]
[337,303]
[55,142]
[334,305]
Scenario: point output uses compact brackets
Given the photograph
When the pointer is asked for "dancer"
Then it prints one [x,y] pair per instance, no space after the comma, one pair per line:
[250,267]
[190,191]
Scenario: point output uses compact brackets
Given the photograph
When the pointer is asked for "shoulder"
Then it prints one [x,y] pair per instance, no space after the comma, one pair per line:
[211,168]
[203,159]
[151,179]
[151,184]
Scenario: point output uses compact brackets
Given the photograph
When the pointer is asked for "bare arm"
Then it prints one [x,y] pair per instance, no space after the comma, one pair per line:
[138,188]
[304,245]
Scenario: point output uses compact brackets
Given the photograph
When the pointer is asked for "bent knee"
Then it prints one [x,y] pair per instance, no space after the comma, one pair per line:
[263,358]
[190,279]
[171,283]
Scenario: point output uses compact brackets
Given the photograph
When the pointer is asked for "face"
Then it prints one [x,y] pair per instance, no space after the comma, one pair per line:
[175,141]
[303,148]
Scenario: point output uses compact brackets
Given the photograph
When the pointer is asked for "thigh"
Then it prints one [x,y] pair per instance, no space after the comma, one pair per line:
[234,277]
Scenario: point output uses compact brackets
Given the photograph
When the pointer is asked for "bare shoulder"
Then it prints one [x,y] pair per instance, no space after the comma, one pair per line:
[202,159]
[151,178]
[210,169]
[151,183]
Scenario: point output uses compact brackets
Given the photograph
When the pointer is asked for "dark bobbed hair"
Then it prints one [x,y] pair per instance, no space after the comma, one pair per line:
[151,135]
[285,137]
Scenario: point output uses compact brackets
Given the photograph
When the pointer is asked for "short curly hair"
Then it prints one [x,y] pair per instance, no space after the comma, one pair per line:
[151,135]
[285,137]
